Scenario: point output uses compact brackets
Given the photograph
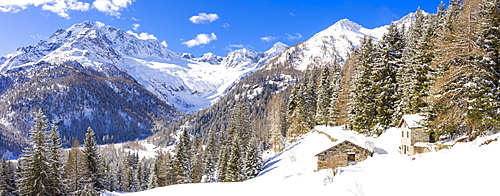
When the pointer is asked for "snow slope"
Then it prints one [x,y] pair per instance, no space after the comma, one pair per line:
[466,169]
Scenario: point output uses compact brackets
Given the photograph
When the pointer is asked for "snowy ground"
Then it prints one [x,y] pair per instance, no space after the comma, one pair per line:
[466,169]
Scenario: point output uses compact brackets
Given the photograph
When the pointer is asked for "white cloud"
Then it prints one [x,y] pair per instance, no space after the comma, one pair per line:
[231,47]
[60,7]
[111,7]
[164,43]
[99,24]
[143,36]
[203,18]
[297,36]
[287,36]
[37,36]
[269,38]
[135,26]
[134,19]
[226,25]
[201,39]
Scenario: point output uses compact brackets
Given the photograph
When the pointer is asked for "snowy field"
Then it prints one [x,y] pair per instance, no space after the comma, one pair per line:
[465,169]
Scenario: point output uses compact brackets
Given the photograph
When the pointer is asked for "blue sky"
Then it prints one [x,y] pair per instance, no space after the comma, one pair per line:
[198,27]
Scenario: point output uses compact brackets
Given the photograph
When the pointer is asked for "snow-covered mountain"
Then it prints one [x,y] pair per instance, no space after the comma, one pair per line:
[332,44]
[185,82]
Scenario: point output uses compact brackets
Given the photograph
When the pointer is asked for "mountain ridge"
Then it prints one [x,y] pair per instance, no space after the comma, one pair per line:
[187,83]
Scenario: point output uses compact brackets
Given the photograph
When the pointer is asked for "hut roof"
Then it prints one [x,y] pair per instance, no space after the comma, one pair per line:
[344,143]
[413,120]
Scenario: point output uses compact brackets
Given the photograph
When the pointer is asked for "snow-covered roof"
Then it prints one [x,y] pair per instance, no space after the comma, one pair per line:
[413,120]
[368,146]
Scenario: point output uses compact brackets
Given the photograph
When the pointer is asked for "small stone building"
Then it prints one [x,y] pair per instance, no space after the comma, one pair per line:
[413,138]
[343,154]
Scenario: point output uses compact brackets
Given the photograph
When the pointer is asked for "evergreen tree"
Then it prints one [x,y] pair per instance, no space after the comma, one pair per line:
[153,179]
[387,61]
[7,178]
[363,109]
[310,98]
[324,99]
[197,159]
[54,147]
[131,183]
[415,74]
[210,158]
[222,164]
[181,163]
[36,176]
[297,113]
[234,164]
[94,159]
[333,111]
[253,160]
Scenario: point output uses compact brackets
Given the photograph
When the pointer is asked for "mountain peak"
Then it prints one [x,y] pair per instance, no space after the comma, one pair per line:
[278,46]
[346,25]
[83,25]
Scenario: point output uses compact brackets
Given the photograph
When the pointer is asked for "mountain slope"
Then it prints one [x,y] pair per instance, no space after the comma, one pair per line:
[333,44]
[123,85]
[75,97]
[186,83]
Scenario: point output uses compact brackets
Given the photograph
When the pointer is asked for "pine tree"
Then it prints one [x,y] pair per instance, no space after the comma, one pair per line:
[415,74]
[131,183]
[234,163]
[253,160]
[387,61]
[297,113]
[222,164]
[37,162]
[210,158]
[54,147]
[197,159]
[310,98]
[363,109]
[93,159]
[181,164]
[324,99]
[153,179]
[7,178]
[333,110]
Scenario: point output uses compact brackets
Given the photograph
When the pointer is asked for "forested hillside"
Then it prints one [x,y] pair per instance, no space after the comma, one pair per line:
[76,97]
